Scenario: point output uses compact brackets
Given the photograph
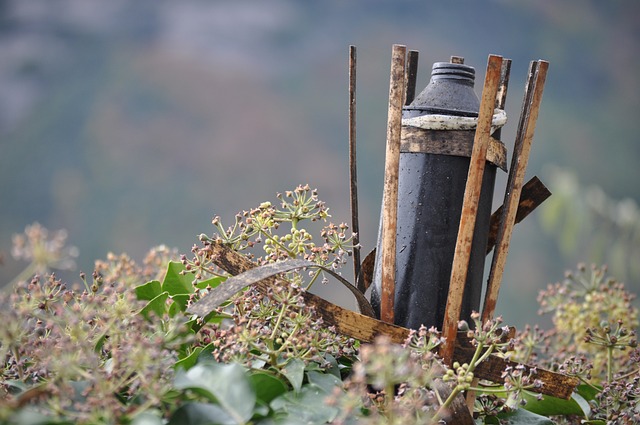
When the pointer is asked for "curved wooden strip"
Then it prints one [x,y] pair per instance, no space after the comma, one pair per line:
[450,142]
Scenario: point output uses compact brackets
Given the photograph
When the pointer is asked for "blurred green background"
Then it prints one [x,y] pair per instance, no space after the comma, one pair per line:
[131,123]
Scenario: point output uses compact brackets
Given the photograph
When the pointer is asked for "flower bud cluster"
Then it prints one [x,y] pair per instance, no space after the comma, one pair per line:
[584,306]
[517,379]
[277,229]
[269,330]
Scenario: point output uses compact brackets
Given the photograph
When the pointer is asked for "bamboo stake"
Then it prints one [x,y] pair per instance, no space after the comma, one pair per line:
[353,174]
[390,192]
[470,208]
[520,159]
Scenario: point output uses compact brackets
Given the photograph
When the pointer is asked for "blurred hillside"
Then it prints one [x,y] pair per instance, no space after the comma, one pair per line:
[131,123]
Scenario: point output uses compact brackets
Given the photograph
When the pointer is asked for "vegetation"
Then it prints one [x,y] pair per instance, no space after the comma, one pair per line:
[119,346]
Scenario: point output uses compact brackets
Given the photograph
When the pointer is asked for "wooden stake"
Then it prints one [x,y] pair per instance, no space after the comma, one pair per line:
[353,174]
[520,159]
[390,192]
[412,75]
[501,98]
[470,208]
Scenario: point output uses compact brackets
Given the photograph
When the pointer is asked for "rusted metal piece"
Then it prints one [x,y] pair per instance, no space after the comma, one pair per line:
[522,149]
[469,208]
[353,172]
[449,142]
[457,59]
[366,329]
[412,76]
[390,194]
[533,194]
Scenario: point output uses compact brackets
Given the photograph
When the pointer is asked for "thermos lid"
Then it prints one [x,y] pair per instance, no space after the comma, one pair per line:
[450,92]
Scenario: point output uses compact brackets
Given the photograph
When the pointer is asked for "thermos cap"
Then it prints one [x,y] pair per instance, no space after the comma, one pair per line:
[450,92]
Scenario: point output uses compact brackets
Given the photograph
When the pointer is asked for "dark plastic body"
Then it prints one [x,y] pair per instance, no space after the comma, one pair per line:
[431,191]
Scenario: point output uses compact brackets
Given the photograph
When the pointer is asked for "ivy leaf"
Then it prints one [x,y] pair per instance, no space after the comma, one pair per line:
[149,290]
[267,386]
[326,381]
[226,384]
[588,392]
[179,304]
[549,406]
[201,414]
[174,282]
[30,416]
[211,283]
[294,372]
[191,359]
[306,406]
[147,418]
[158,305]
[523,417]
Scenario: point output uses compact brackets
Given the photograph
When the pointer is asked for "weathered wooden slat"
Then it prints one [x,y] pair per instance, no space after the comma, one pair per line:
[449,142]
[470,202]
[390,191]
[524,139]
[353,172]
[411,76]
[533,194]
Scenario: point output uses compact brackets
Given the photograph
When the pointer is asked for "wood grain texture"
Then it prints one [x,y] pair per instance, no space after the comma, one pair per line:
[520,159]
[470,202]
[390,191]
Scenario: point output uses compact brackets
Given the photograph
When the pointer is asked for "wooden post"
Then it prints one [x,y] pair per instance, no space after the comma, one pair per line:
[520,159]
[412,76]
[470,208]
[353,174]
[390,192]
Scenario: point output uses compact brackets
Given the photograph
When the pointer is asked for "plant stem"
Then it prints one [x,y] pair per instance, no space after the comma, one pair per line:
[313,279]
[29,271]
[280,316]
[610,363]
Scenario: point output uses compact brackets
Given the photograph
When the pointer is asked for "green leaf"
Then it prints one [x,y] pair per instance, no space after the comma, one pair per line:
[190,360]
[147,418]
[306,406]
[226,384]
[174,282]
[588,392]
[201,414]
[294,372]
[334,368]
[179,304]
[523,417]
[326,381]
[211,283]
[550,406]
[158,305]
[149,290]
[30,416]
[267,386]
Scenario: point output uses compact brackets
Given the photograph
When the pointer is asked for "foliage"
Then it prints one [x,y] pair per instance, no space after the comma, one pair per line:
[119,347]
[585,221]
